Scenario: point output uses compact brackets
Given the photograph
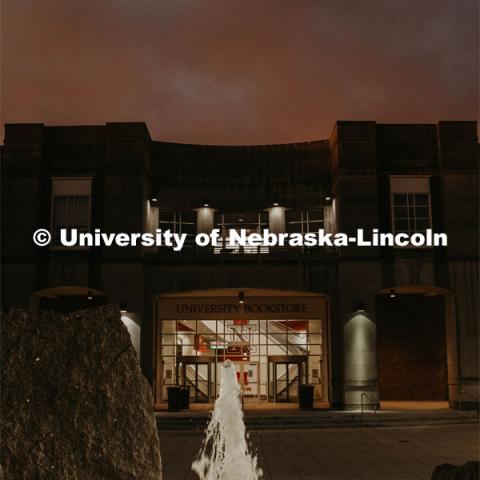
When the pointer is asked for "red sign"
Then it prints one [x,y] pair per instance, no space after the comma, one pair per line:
[240,322]
[245,378]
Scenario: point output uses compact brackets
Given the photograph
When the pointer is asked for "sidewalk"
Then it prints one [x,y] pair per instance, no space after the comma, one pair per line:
[402,453]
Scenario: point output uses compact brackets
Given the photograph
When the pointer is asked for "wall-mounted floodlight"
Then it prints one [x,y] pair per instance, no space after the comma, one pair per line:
[392,294]
[241,297]
[360,307]
[154,199]
[89,295]
[275,204]
[328,198]
[123,307]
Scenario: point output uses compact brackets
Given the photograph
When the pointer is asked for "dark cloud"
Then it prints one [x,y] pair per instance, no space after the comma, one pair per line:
[225,71]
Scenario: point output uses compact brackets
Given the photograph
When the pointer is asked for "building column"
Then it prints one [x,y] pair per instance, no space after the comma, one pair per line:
[133,321]
[461,315]
[168,357]
[276,219]
[317,373]
[360,361]
[205,219]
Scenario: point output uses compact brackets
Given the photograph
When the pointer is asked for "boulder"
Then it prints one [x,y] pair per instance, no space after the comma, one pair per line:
[467,471]
[74,403]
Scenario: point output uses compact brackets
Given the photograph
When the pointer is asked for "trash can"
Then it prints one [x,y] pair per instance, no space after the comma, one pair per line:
[173,394]
[184,397]
[306,397]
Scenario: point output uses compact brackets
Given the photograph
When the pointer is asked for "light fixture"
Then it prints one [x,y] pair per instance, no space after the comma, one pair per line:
[205,203]
[89,295]
[392,294]
[153,199]
[241,219]
[241,297]
[360,307]
[275,204]
[328,198]
[123,307]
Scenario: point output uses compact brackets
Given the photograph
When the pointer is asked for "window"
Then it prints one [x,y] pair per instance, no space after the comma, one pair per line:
[187,345]
[304,221]
[70,206]
[411,212]
[70,212]
[252,222]
[410,204]
[178,222]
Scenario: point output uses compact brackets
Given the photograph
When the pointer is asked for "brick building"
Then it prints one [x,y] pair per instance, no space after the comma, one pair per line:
[361,324]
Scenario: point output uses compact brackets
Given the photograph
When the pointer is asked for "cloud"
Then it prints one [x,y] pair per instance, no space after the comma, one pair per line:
[238,72]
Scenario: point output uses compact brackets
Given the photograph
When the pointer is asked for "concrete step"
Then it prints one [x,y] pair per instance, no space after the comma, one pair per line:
[301,420]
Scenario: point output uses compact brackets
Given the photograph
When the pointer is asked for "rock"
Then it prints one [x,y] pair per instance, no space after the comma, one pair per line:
[74,403]
[467,471]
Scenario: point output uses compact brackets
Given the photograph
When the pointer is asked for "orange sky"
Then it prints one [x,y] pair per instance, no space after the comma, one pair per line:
[238,72]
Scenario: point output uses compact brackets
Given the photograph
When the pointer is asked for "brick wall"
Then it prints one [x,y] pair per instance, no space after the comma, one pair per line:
[412,360]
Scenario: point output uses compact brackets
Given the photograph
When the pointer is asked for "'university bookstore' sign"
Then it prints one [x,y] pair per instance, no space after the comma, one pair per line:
[228,308]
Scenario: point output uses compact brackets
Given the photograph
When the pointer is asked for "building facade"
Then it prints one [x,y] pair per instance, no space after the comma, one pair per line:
[363,325]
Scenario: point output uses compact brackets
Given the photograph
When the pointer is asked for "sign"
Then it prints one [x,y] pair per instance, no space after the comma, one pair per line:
[254,308]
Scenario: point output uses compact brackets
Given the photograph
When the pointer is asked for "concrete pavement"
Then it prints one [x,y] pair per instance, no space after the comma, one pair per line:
[388,453]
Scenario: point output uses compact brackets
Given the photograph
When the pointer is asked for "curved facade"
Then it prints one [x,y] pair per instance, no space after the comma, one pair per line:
[364,325]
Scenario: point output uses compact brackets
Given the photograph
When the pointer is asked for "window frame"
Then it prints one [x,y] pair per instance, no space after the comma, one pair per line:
[177,223]
[256,226]
[70,187]
[410,185]
[305,223]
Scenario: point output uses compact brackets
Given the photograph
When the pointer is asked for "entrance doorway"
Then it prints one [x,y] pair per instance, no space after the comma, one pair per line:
[276,342]
[198,376]
[272,358]
[286,380]
[287,374]
[248,376]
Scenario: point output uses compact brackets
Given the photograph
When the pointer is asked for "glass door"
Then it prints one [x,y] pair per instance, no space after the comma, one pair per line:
[248,376]
[286,381]
[197,377]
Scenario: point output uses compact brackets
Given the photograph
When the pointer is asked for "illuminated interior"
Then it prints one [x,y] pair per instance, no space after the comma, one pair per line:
[272,357]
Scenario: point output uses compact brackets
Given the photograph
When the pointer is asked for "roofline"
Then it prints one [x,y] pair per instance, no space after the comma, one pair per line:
[120,125]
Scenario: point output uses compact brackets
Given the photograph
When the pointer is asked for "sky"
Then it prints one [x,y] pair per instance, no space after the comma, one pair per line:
[238,72]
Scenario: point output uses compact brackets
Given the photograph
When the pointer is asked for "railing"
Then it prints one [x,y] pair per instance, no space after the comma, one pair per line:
[365,395]
[283,378]
[461,392]
[287,386]
[278,328]
[196,388]
[195,384]
[238,252]
[473,397]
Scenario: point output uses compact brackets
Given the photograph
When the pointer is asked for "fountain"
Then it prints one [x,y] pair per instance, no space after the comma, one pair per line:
[224,454]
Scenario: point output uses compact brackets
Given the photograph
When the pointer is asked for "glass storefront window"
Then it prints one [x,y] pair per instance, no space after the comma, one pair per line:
[272,357]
